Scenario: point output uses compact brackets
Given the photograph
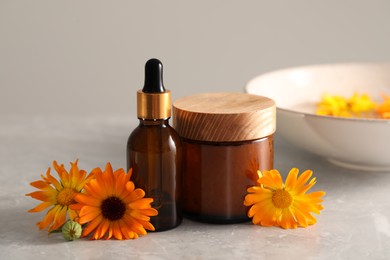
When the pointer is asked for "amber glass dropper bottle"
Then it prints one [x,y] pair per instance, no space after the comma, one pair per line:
[154,150]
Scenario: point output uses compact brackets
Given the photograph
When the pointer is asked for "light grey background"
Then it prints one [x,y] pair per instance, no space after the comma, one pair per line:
[60,59]
[87,57]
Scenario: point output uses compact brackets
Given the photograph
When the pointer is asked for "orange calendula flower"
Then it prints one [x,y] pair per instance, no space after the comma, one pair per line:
[358,105]
[383,108]
[273,203]
[112,206]
[361,103]
[59,194]
[333,106]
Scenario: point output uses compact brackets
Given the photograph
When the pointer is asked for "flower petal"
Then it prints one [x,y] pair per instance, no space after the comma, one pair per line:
[48,219]
[135,195]
[59,219]
[303,178]
[108,179]
[87,200]
[299,217]
[291,179]
[41,207]
[87,217]
[49,178]
[62,173]
[40,184]
[91,226]
[120,185]
[75,175]
[287,219]
[303,189]
[141,203]
[259,196]
[41,195]
[116,231]
[271,180]
[89,209]
[72,214]
[138,215]
[105,225]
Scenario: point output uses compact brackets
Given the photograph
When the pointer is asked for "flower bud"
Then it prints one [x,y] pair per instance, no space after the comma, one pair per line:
[71,230]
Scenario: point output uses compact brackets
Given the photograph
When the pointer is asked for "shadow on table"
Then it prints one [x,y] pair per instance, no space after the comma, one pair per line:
[18,229]
[343,177]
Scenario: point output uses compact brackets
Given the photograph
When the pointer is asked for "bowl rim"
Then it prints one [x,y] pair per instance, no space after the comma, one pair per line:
[321,65]
[349,119]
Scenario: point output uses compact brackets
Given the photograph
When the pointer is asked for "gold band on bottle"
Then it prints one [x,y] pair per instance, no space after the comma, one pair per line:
[154,105]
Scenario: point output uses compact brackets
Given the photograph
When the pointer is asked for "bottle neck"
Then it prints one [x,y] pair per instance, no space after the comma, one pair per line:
[151,122]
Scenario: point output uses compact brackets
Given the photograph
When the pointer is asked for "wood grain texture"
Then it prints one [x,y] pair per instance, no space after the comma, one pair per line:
[224,117]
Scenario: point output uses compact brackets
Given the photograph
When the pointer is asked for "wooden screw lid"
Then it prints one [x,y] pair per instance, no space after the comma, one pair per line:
[224,117]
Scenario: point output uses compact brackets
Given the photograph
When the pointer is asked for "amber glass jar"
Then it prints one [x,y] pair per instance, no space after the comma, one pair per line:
[226,137]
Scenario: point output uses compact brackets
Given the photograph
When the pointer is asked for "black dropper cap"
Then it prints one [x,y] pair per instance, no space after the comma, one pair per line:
[153,77]
[153,101]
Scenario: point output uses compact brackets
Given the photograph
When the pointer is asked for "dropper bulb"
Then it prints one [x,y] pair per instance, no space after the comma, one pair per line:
[153,77]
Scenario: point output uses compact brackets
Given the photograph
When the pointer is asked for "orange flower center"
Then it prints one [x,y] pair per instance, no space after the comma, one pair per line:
[282,199]
[65,197]
[113,208]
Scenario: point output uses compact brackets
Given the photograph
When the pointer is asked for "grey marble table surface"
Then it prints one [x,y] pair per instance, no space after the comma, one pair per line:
[354,224]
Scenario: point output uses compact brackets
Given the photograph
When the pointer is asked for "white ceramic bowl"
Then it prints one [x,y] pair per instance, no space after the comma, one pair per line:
[354,143]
